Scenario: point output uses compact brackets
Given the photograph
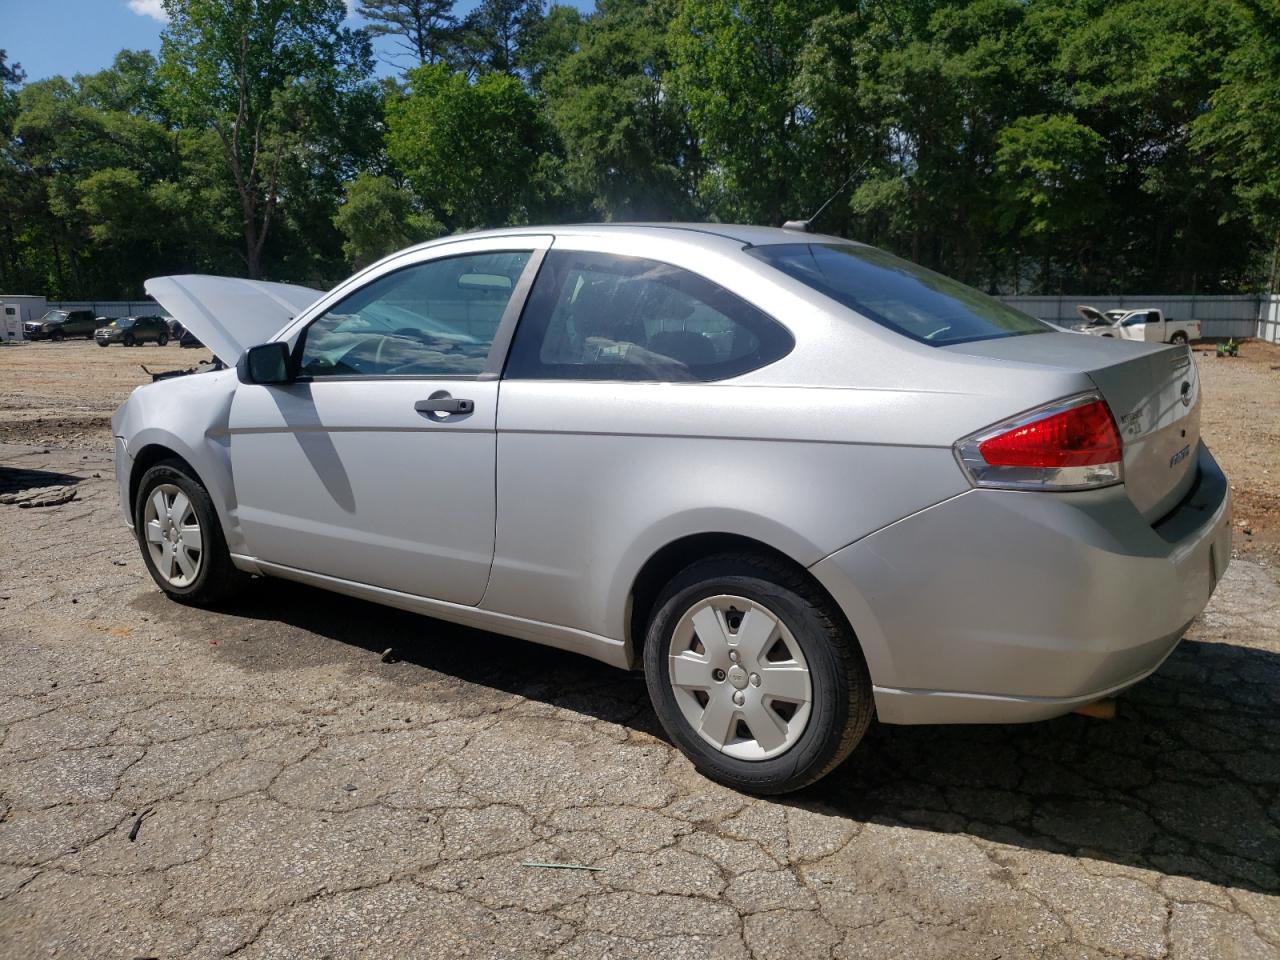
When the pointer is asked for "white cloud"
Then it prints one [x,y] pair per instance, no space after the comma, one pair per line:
[149,8]
[351,7]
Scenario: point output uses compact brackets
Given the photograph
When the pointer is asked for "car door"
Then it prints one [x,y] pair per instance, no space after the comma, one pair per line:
[377,465]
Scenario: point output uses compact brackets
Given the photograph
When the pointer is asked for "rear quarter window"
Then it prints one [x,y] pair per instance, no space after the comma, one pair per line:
[596,316]
[895,293]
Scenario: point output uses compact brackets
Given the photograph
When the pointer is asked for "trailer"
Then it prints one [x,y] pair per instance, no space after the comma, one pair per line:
[17,309]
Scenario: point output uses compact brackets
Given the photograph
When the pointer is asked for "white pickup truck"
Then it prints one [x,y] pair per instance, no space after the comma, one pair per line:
[1145,323]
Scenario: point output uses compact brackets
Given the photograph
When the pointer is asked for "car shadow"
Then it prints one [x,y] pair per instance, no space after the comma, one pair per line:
[1185,781]
[14,479]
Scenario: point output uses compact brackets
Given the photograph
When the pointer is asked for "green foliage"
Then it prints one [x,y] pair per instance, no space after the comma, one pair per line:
[627,142]
[424,29]
[469,150]
[378,217]
[263,75]
[734,66]
[1077,145]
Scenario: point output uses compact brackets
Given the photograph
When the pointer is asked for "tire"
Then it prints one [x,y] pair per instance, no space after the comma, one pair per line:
[56,336]
[816,737]
[215,578]
[104,343]
[162,340]
[1178,338]
[128,340]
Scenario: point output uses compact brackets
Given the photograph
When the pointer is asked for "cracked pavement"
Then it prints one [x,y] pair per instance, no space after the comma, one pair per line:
[299,797]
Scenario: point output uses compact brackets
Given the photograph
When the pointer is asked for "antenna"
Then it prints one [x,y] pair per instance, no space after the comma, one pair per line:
[806,226]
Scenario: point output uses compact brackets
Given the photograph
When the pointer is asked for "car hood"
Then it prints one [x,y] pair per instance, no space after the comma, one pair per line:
[1092,315]
[229,315]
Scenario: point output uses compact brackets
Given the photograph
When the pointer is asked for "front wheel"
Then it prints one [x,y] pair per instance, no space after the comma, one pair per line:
[754,674]
[128,340]
[162,340]
[56,336]
[103,343]
[180,537]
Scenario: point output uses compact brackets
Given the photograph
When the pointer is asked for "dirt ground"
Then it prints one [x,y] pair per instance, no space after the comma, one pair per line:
[1241,423]
[257,782]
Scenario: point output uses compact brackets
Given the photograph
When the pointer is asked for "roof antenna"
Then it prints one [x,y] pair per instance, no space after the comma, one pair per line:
[806,226]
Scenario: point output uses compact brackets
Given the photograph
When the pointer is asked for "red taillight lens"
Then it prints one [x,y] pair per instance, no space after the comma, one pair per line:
[1082,436]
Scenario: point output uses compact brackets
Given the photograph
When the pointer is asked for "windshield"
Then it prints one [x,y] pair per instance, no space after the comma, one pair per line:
[897,294]
[53,316]
[123,322]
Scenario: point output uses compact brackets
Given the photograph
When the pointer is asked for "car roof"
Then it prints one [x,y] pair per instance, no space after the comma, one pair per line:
[712,234]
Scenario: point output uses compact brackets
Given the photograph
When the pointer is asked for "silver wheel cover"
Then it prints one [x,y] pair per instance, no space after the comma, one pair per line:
[739,677]
[173,535]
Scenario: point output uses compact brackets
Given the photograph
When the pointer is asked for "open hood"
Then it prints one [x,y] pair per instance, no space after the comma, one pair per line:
[227,314]
[1092,315]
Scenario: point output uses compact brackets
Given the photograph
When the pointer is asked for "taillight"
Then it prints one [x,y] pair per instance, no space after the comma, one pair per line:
[1070,444]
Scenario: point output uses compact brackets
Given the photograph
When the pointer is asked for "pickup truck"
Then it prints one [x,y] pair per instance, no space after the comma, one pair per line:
[1145,323]
[60,324]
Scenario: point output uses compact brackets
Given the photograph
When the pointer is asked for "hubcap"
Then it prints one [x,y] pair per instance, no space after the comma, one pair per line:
[739,678]
[173,534]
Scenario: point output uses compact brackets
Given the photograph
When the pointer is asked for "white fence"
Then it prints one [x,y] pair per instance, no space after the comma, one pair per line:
[112,308]
[1219,316]
[1269,321]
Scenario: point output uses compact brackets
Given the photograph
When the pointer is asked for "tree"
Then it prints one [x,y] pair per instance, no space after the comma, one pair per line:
[1239,133]
[492,36]
[1052,201]
[548,41]
[378,217]
[422,28]
[734,62]
[471,151]
[243,68]
[627,141]
[10,74]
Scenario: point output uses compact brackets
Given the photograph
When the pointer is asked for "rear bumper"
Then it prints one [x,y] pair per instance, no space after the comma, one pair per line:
[1001,606]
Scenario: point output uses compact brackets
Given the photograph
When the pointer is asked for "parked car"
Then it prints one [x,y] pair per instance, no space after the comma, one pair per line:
[60,324]
[1147,323]
[797,480]
[133,331]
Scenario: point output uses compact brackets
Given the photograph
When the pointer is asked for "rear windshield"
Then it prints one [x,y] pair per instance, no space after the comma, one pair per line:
[898,294]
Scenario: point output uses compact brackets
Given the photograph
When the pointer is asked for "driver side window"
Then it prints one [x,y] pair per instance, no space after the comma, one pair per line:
[430,319]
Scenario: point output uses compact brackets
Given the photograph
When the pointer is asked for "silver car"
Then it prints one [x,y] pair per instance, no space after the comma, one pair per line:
[796,480]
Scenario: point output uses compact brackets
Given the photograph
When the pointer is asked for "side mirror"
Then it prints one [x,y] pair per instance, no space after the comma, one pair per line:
[265,363]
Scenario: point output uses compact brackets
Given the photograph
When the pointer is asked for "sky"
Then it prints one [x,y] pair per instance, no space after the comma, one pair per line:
[49,37]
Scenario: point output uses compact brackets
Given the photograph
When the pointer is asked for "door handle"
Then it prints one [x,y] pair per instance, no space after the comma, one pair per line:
[445,404]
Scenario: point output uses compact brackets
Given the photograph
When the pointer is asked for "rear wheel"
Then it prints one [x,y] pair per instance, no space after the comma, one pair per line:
[162,340]
[1179,337]
[128,340]
[180,537]
[754,675]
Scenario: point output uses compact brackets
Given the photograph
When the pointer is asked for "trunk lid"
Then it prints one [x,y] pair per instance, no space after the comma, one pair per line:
[227,314]
[1153,391]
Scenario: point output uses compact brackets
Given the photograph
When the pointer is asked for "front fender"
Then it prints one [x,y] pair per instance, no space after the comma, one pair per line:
[186,416]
